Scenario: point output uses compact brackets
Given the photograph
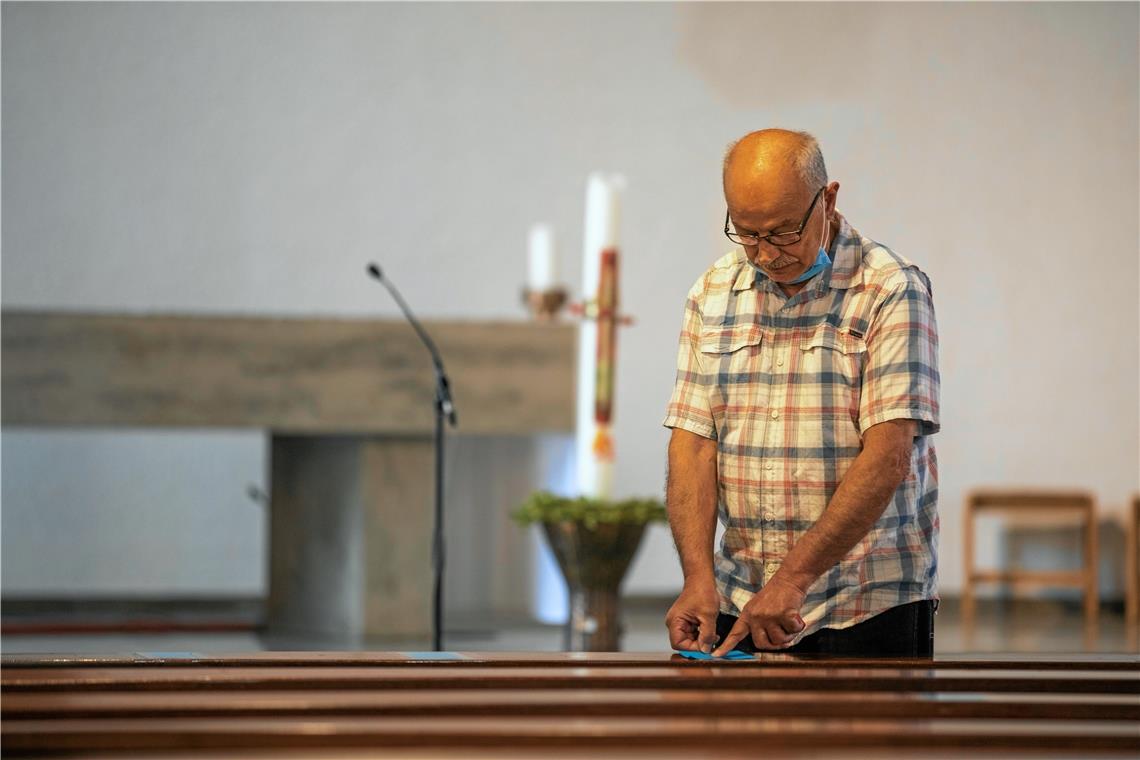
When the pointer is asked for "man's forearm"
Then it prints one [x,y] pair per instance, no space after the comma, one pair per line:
[690,496]
[860,500]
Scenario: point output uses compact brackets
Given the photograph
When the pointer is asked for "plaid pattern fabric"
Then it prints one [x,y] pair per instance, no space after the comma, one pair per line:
[788,387]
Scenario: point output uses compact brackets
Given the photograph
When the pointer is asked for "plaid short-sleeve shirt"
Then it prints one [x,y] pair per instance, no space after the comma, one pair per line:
[788,387]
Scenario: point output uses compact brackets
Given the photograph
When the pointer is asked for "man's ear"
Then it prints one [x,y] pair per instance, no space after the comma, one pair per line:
[831,195]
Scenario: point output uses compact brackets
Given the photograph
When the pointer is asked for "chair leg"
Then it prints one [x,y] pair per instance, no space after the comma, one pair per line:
[1092,600]
[1132,576]
[969,610]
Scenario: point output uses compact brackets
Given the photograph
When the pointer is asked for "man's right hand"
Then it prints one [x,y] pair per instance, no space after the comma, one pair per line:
[692,618]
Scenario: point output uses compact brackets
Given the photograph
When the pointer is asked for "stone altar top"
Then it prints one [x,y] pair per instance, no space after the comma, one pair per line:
[289,375]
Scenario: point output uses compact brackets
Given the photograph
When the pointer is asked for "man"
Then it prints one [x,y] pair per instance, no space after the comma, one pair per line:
[806,392]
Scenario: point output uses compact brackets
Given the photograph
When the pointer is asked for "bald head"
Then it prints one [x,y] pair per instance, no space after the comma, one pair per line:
[773,162]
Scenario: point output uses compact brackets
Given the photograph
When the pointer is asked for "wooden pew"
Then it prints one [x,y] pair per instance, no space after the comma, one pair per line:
[541,732]
[582,702]
[972,661]
[727,676]
[572,703]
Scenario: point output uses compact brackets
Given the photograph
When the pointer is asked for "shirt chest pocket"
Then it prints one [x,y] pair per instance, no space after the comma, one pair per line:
[731,355]
[831,363]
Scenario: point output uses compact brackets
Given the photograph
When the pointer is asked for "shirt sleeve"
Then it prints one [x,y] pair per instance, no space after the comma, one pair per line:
[689,407]
[900,373]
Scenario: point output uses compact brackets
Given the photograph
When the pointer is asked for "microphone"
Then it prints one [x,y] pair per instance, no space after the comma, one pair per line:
[443,387]
[444,407]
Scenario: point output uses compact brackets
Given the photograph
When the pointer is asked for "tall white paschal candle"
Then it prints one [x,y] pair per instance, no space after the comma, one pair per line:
[594,439]
[542,269]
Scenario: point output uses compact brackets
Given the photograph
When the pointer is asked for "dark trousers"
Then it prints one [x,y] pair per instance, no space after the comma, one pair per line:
[903,631]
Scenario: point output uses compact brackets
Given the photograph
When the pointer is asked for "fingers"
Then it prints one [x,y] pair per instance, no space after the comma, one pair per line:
[783,632]
[792,623]
[708,635]
[766,632]
[770,636]
[763,640]
[738,632]
[694,637]
[682,634]
[775,637]
[685,634]
[780,633]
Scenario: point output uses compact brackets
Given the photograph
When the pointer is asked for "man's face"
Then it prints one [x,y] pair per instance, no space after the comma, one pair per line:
[753,209]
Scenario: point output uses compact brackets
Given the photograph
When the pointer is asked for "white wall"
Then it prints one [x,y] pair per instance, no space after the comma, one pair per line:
[248,158]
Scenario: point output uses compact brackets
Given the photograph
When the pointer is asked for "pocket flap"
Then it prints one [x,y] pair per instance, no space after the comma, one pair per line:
[827,336]
[723,340]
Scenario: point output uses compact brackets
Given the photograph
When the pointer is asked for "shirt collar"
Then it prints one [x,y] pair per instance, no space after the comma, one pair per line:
[846,257]
[747,274]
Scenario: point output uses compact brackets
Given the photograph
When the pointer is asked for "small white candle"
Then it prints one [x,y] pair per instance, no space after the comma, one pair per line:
[542,272]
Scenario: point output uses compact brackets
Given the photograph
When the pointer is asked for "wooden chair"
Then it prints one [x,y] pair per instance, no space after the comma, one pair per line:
[1042,504]
[1132,574]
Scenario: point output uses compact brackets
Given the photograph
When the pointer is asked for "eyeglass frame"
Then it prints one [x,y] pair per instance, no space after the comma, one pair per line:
[799,233]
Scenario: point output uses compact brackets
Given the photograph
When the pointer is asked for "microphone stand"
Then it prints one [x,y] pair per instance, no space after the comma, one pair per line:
[444,408]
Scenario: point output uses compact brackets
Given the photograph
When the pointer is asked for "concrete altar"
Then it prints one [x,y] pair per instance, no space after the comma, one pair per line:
[348,408]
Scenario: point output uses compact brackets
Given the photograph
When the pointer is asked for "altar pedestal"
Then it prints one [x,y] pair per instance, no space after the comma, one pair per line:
[350,532]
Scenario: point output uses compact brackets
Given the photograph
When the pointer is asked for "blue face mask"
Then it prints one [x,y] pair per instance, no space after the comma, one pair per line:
[822,261]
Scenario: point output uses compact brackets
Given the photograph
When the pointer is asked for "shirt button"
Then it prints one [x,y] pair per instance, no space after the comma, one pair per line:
[769,516]
[775,414]
[767,465]
[780,362]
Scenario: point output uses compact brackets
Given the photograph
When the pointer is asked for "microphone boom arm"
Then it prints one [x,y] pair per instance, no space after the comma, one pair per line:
[442,384]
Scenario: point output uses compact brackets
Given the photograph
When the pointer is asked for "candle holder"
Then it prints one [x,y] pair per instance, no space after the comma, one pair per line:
[544,305]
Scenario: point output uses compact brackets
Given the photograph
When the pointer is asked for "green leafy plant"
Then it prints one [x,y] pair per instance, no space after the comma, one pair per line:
[543,506]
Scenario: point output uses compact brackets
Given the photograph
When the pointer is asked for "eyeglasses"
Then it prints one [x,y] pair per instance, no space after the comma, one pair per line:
[777,239]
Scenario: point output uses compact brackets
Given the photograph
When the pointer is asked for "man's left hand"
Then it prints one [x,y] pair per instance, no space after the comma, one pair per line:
[771,617]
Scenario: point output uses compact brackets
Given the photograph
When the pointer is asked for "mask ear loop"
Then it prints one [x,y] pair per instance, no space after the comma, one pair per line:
[823,240]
